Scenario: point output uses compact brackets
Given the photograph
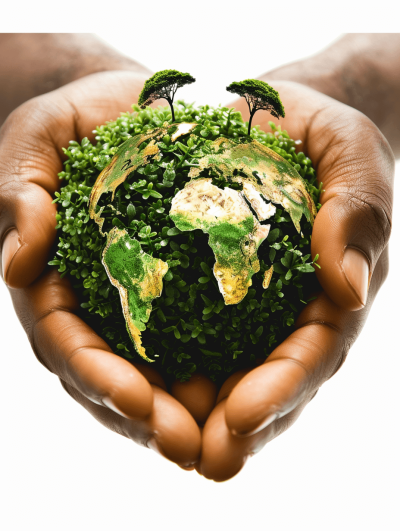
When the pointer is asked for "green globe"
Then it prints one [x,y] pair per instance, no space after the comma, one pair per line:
[188,242]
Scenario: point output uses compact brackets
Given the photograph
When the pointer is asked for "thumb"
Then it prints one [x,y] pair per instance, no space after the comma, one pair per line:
[355,164]
[28,225]
[353,226]
[29,163]
[31,142]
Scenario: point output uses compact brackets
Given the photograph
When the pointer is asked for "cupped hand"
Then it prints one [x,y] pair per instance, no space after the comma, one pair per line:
[131,401]
[356,166]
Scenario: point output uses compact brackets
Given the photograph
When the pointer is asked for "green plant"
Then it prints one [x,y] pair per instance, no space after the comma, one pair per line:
[163,85]
[190,328]
[258,95]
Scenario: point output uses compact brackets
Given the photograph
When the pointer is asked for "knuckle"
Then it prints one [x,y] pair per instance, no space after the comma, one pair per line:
[19,119]
[27,109]
[12,196]
[12,118]
[362,121]
[48,352]
[374,135]
[372,217]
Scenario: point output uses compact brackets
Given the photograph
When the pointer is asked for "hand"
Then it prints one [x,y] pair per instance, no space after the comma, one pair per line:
[132,403]
[356,165]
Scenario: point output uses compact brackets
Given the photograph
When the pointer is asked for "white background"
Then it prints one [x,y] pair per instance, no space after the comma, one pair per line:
[337,468]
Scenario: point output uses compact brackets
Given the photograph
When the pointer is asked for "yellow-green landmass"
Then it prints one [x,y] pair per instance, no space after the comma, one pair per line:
[138,277]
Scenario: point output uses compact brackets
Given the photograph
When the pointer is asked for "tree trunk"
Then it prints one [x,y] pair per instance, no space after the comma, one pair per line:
[250,119]
[172,109]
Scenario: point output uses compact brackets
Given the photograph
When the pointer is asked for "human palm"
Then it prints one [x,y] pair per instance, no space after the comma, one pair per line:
[355,164]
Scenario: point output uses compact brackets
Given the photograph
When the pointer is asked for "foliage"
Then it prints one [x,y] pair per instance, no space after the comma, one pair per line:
[164,84]
[190,328]
[259,95]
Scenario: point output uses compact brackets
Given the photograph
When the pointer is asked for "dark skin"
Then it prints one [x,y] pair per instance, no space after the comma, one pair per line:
[32,64]
[360,70]
[356,165]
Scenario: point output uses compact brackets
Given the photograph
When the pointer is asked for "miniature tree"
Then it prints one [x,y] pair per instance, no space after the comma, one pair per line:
[259,95]
[164,84]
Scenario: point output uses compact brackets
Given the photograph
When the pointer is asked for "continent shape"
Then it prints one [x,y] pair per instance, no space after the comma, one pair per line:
[235,233]
[138,278]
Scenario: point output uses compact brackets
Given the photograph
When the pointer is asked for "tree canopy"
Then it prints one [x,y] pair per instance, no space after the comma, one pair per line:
[259,96]
[163,85]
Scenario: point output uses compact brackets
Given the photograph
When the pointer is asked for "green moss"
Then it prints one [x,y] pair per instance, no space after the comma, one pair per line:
[190,328]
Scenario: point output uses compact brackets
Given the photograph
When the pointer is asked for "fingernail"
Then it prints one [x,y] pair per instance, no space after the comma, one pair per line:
[266,422]
[356,269]
[11,245]
[189,467]
[108,402]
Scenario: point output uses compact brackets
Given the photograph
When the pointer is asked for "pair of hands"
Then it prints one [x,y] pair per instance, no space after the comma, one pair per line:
[356,166]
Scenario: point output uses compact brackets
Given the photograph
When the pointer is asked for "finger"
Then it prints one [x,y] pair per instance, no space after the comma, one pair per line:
[175,433]
[169,430]
[31,142]
[197,395]
[239,403]
[353,226]
[68,347]
[356,166]
[28,224]
[301,364]
[290,374]
[224,455]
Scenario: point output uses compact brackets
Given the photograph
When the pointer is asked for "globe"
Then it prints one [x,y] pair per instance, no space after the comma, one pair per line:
[231,207]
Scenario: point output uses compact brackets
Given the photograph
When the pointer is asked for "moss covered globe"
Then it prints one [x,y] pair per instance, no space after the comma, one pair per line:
[188,241]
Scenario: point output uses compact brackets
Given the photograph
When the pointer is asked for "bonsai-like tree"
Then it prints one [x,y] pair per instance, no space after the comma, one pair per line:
[259,95]
[164,84]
